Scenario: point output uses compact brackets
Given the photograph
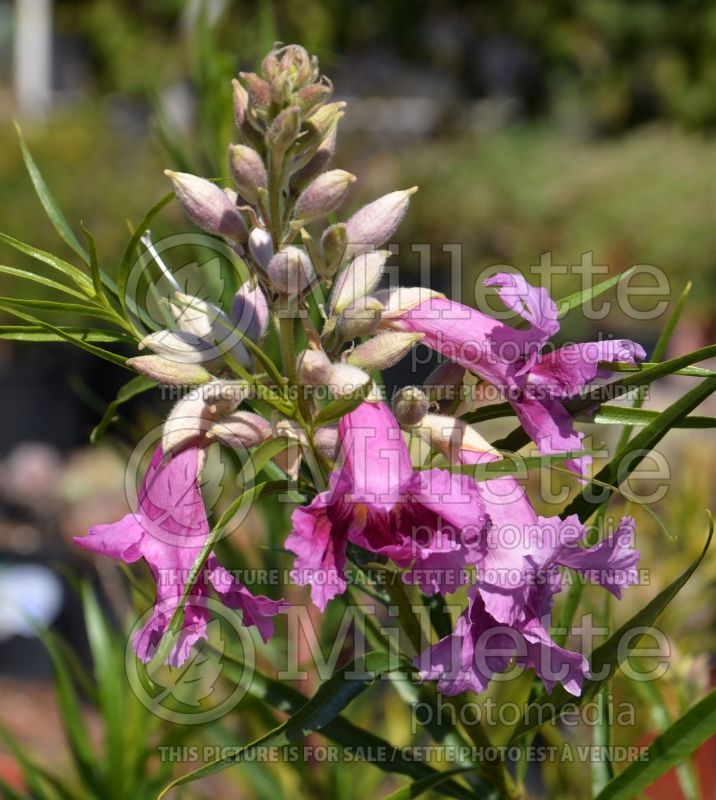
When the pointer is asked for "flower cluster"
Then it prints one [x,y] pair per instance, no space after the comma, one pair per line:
[439,527]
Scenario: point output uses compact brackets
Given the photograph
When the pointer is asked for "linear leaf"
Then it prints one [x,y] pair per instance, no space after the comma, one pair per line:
[629,415]
[629,457]
[56,305]
[40,333]
[342,731]
[63,334]
[326,704]
[335,409]
[580,298]
[57,263]
[667,750]
[607,656]
[36,278]
[513,464]
[130,251]
[52,210]
[422,785]
[131,389]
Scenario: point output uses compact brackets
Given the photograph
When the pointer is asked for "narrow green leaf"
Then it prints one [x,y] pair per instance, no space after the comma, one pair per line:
[40,333]
[341,730]
[58,264]
[63,334]
[95,270]
[513,464]
[634,416]
[55,305]
[36,278]
[130,253]
[422,785]
[108,672]
[580,298]
[636,449]
[666,751]
[331,698]
[52,210]
[70,712]
[607,657]
[131,389]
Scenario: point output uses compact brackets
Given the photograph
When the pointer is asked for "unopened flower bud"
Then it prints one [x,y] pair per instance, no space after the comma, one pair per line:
[333,244]
[169,373]
[410,405]
[245,121]
[450,436]
[248,170]
[400,300]
[313,368]
[191,418]
[208,206]
[289,460]
[185,348]
[283,132]
[361,318]
[241,430]
[259,91]
[309,98]
[345,380]
[384,350]
[327,441]
[357,280]
[324,195]
[241,103]
[316,163]
[250,312]
[290,271]
[325,119]
[261,246]
[375,223]
[208,321]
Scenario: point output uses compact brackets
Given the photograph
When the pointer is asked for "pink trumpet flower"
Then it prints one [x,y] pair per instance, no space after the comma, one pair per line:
[431,521]
[534,382]
[168,531]
[509,607]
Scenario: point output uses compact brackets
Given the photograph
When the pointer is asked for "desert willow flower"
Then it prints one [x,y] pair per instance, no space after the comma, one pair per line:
[440,527]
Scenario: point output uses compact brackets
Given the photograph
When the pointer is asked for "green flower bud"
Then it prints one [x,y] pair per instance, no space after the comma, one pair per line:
[208,206]
[333,244]
[361,318]
[248,170]
[325,194]
[375,223]
[384,350]
[357,280]
[410,405]
[290,271]
[169,373]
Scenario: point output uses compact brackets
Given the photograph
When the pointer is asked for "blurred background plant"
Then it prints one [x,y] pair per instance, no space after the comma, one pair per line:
[530,128]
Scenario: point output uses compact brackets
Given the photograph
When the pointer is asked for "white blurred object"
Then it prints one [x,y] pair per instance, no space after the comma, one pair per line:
[32,68]
[31,474]
[29,595]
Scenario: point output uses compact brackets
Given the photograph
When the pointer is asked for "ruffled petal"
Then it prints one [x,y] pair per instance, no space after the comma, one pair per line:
[318,538]
[611,563]
[566,371]
[551,428]
[120,540]
[255,609]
